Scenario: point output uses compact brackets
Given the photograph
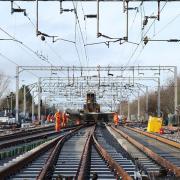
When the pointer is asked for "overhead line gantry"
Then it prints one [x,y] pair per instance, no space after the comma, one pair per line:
[98,72]
[96,0]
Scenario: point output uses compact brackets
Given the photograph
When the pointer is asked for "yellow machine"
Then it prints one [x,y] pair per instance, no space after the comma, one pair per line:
[91,104]
[91,111]
[154,124]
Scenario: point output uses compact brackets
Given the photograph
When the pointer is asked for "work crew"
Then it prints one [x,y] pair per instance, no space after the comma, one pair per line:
[124,120]
[58,121]
[49,118]
[116,119]
[64,119]
[77,121]
[52,118]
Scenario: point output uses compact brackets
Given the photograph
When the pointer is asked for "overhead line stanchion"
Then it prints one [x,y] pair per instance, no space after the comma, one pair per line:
[127,19]
[138,106]
[39,99]
[24,87]
[129,116]
[32,106]
[175,89]
[17,94]
[159,99]
[147,103]
[37,18]
[98,34]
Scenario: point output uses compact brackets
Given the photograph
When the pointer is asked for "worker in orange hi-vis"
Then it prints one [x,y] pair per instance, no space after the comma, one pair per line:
[58,121]
[52,118]
[77,121]
[64,119]
[116,119]
[48,118]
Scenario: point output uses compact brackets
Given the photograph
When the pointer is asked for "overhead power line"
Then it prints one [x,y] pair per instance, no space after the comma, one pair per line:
[142,39]
[40,56]
[13,62]
[81,33]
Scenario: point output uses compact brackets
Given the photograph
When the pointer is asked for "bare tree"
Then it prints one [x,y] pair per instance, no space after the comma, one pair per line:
[167,99]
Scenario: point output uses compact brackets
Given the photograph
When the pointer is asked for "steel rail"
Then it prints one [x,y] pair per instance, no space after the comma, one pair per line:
[34,136]
[112,163]
[21,140]
[25,132]
[12,168]
[82,172]
[160,160]
[162,139]
[144,162]
[48,167]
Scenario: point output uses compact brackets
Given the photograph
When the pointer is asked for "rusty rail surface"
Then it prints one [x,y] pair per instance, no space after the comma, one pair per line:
[22,139]
[111,162]
[48,167]
[26,132]
[31,131]
[32,155]
[29,137]
[160,160]
[162,139]
[84,168]
[17,165]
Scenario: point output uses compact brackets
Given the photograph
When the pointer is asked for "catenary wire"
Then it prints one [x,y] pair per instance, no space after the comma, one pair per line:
[142,39]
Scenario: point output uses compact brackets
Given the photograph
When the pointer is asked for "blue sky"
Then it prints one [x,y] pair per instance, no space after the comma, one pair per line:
[112,23]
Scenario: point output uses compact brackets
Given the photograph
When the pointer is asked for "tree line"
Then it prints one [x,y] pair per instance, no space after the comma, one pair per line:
[166,101]
[8,99]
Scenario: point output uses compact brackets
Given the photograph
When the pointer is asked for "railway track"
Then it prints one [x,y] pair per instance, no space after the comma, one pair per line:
[82,153]
[13,148]
[99,168]
[7,141]
[145,164]
[93,153]
[22,139]
[157,137]
[120,158]
[32,171]
[157,158]
[82,157]
[70,155]
[26,132]
[30,164]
